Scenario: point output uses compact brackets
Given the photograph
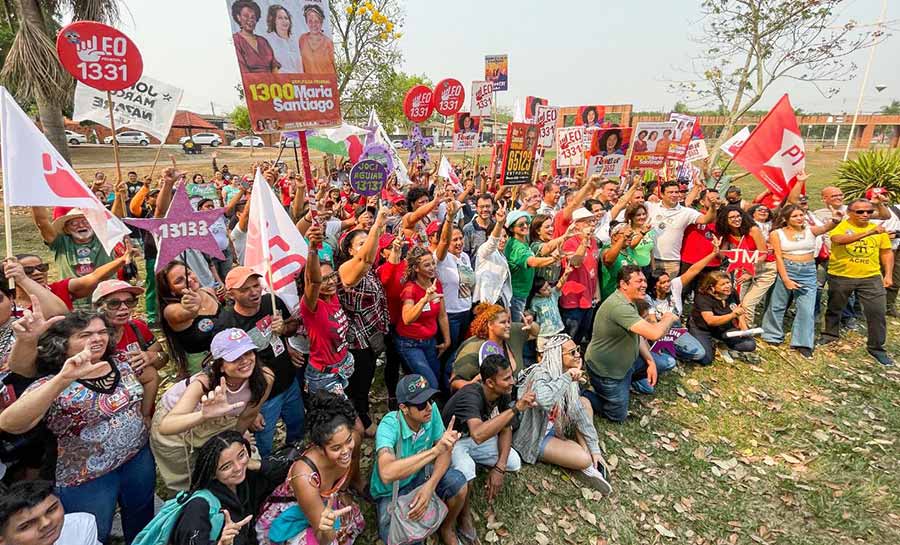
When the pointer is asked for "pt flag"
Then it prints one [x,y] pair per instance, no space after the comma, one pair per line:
[733,144]
[775,153]
[35,174]
[272,237]
[149,105]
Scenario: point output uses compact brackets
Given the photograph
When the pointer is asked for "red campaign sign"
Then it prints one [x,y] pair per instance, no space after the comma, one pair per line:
[449,96]
[99,56]
[418,106]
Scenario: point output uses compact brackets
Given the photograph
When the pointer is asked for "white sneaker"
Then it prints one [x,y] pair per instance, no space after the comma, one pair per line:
[593,478]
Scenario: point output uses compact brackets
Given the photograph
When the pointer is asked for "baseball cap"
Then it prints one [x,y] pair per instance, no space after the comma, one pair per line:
[238,276]
[230,344]
[384,241]
[581,213]
[433,228]
[414,389]
[108,287]
[515,215]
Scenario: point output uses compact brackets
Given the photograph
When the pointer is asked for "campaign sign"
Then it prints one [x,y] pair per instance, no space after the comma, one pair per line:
[418,105]
[496,71]
[696,150]
[569,147]
[650,144]
[518,153]
[546,118]
[368,177]
[99,56]
[449,96]
[482,98]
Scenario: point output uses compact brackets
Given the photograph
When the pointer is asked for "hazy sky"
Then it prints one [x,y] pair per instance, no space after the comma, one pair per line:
[570,51]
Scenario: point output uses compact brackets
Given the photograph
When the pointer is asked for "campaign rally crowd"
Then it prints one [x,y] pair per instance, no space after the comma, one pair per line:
[509,322]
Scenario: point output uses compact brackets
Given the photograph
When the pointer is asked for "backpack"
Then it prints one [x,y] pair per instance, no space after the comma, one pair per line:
[158,530]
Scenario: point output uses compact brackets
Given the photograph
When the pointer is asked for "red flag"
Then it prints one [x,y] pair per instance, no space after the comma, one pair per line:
[774,153]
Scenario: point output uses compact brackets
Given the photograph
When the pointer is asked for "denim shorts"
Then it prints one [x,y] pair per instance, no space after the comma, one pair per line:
[551,433]
[335,383]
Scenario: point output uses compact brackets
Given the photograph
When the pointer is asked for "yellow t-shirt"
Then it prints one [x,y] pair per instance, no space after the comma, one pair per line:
[860,259]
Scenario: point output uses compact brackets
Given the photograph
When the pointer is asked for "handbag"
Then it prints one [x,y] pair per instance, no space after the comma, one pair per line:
[404,531]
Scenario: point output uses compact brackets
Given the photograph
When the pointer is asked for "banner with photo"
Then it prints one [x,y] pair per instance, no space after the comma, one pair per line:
[546,118]
[531,106]
[149,105]
[608,152]
[650,144]
[684,133]
[569,147]
[496,71]
[518,153]
[482,98]
[285,54]
[465,131]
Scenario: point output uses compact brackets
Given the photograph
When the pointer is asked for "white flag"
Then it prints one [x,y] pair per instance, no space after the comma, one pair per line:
[733,144]
[149,105]
[35,174]
[445,170]
[381,137]
[273,237]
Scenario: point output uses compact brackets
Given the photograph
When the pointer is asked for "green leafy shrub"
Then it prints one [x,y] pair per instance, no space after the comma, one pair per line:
[879,168]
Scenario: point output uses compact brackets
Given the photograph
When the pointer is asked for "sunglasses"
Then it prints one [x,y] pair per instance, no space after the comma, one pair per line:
[867,212]
[115,304]
[575,352]
[421,406]
[43,267]
[330,277]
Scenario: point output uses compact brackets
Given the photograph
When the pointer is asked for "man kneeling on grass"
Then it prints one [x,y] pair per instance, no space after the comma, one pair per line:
[413,447]
[483,413]
[31,514]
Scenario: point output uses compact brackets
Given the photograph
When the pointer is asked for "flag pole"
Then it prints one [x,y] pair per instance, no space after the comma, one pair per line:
[112,126]
[7,226]
[156,159]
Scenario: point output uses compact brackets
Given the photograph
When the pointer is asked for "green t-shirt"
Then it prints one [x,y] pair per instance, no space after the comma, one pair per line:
[643,252]
[75,260]
[613,348]
[551,273]
[520,274]
[390,429]
[467,363]
[609,274]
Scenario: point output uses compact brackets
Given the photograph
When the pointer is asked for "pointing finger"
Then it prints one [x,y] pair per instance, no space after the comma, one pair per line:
[227,517]
[244,521]
[451,425]
[342,511]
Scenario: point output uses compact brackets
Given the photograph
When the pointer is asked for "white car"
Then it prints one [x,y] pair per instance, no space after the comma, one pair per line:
[75,138]
[249,141]
[129,137]
[203,138]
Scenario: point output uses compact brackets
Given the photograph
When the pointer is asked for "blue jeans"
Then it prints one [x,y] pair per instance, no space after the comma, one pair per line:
[803,331]
[664,363]
[688,348]
[288,405]
[130,486]
[610,396]
[516,308]
[448,486]
[577,322]
[420,356]
[459,327]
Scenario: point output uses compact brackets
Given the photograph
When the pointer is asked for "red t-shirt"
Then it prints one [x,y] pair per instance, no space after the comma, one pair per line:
[426,326]
[61,290]
[697,243]
[284,185]
[746,242]
[327,329]
[560,224]
[390,275]
[581,285]
[129,341]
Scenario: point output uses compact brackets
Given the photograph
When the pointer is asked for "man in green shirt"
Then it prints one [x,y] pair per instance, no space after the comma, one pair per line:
[615,356]
[422,461]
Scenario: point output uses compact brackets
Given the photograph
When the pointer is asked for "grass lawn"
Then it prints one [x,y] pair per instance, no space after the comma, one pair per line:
[791,451]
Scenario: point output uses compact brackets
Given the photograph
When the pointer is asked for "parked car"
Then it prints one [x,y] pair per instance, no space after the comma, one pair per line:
[75,138]
[204,138]
[249,141]
[130,137]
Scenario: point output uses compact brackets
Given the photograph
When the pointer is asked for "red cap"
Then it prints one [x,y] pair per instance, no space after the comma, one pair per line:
[433,228]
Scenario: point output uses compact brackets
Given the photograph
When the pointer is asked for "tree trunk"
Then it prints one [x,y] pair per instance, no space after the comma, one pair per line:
[52,121]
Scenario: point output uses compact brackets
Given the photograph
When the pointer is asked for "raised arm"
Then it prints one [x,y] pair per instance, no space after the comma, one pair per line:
[312,275]
[352,270]
[654,331]
[52,305]
[580,196]
[688,276]
[446,231]
[41,217]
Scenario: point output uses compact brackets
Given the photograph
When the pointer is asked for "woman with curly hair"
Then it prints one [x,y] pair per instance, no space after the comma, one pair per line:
[491,332]
[227,395]
[740,232]
[309,506]
[423,313]
[91,402]
[225,470]
[561,409]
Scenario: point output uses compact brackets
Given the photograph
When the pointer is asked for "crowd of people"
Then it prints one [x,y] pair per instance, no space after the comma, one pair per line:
[504,319]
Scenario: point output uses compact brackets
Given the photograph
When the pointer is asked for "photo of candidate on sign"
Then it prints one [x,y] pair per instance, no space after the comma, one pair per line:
[465,131]
[608,150]
[285,54]
[650,145]
[496,71]
[518,153]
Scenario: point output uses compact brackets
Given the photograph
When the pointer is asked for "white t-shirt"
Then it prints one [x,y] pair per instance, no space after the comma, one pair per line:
[78,529]
[672,303]
[670,224]
[457,296]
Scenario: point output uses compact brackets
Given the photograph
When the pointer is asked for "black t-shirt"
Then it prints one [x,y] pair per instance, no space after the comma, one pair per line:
[271,349]
[469,402]
[707,303]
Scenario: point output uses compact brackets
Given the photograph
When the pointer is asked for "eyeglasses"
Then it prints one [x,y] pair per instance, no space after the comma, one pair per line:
[868,211]
[119,303]
[330,277]
[575,353]
[43,267]
[421,406]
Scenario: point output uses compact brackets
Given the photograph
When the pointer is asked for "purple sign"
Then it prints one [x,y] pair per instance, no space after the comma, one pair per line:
[368,177]
[667,342]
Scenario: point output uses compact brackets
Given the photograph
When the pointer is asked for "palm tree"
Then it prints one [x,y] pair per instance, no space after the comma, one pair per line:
[31,66]
[892,109]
